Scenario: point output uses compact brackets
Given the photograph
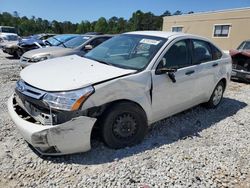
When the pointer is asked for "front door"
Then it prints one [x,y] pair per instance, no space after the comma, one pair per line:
[169,97]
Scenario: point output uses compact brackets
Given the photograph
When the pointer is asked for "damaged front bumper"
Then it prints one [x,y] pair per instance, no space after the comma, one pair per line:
[70,137]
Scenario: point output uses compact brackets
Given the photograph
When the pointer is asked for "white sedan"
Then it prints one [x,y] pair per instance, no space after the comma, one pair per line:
[120,87]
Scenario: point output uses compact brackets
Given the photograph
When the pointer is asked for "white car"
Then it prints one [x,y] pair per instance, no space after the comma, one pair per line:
[120,87]
[8,35]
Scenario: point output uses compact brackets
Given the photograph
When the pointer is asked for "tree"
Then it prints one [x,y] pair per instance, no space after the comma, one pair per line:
[166,13]
[178,12]
[101,25]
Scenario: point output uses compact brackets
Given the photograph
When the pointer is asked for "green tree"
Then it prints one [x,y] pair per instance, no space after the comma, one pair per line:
[101,25]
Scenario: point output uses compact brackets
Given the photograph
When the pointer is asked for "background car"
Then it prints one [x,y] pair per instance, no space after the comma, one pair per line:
[79,45]
[241,62]
[18,47]
[8,35]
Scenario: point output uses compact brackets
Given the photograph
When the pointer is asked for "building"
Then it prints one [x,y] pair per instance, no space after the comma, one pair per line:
[226,28]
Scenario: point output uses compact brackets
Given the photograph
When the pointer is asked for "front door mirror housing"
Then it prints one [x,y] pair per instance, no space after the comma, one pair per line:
[166,70]
[88,47]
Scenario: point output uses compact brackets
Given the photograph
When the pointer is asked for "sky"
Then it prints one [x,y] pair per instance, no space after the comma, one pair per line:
[78,10]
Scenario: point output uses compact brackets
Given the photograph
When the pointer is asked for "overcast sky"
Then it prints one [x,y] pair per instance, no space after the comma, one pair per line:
[78,10]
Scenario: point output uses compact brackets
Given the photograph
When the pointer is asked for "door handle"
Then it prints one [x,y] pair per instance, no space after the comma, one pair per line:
[190,72]
[215,64]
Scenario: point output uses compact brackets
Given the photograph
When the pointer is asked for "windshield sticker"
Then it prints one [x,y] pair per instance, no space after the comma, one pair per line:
[86,37]
[150,41]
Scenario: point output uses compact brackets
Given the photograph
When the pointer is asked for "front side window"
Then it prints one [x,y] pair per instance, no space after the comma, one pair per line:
[221,30]
[96,42]
[127,51]
[177,29]
[177,56]
[201,52]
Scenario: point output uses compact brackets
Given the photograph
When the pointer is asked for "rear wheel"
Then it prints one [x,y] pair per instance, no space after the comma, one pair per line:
[216,96]
[124,124]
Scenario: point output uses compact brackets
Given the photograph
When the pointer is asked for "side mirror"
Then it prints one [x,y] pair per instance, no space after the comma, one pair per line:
[88,47]
[164,70]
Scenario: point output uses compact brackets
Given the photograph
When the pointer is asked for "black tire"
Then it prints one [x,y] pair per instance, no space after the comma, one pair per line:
[217,93]
[19,52]
[123,124]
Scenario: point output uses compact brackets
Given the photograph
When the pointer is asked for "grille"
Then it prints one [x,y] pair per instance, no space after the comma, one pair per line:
[30,91]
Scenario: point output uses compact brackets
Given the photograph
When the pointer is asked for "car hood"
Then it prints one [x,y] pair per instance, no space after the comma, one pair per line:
[69,73]
[30,41]
[51,51]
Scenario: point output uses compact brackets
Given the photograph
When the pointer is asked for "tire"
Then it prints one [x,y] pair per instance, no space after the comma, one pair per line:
[19,53]
[216,96]
[123,124]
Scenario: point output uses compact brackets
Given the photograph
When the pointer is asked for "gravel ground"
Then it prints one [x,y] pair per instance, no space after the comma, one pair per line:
[196,148]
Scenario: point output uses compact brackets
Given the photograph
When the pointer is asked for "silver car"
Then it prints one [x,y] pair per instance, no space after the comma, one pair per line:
[79,45]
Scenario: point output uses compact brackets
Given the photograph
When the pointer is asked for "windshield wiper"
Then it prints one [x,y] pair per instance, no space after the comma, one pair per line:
[60,42]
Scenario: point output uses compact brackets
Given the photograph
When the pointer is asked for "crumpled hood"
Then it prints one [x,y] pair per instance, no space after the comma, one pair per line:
[52,51]
[69,73]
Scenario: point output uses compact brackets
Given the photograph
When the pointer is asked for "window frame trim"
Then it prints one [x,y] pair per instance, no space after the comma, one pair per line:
[224,24]
[177,26]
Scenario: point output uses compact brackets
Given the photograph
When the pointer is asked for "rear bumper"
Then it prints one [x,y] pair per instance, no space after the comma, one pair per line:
[66,138]
[240,75]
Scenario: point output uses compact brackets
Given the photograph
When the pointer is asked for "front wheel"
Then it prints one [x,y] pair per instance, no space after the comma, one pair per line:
[124,124]
[216,96]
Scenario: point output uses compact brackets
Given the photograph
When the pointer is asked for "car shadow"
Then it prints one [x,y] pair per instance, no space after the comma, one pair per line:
[187,124]
[12,58]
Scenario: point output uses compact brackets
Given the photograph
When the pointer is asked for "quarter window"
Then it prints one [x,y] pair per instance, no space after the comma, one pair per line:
[215,52]
[201,52]
[177,29]
[221,30]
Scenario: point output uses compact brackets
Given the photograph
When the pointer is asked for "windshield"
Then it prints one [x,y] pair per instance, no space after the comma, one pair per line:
[127,51]
[59,39]
[77,41]
[8,30]
[244,46]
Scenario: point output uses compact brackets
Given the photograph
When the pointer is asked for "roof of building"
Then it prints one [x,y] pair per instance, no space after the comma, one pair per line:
[215,12]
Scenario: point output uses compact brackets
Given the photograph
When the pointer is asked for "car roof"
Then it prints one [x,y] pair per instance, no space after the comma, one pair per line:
[162,34]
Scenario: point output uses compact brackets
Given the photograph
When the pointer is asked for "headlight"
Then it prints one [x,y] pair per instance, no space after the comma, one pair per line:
[37,59]
[69,100]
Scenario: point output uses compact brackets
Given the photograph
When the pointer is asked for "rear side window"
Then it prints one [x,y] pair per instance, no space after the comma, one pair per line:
[215,52]
[201,52]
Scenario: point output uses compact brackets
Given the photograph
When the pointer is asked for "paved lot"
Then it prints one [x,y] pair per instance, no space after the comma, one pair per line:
[196,148]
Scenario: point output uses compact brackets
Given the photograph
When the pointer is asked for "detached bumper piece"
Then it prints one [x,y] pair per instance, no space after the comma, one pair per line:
[70,137]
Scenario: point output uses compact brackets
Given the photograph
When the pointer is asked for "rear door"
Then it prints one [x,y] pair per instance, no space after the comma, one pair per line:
[206,57]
